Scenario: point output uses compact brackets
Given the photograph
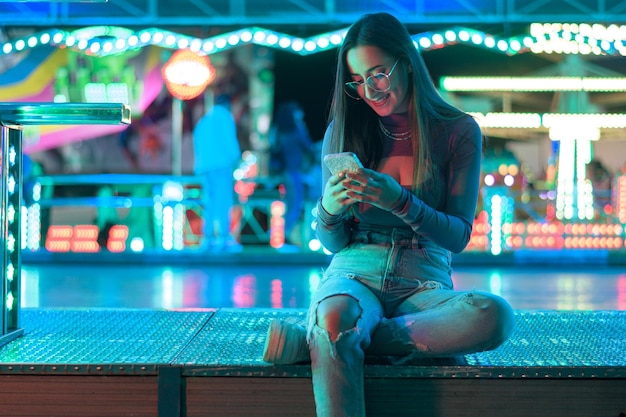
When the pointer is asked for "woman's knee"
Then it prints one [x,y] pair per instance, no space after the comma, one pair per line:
[499,318]
[507,318]
[337,314]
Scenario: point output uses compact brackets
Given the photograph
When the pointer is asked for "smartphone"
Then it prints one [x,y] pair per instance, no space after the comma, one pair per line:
[344,161]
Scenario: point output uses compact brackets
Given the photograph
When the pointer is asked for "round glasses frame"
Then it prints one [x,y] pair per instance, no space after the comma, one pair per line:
[378,82]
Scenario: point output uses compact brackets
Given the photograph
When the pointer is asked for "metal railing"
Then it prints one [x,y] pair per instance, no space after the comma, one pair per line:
[13,116]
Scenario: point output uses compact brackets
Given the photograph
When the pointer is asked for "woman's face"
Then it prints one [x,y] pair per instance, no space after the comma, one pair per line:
[364,61]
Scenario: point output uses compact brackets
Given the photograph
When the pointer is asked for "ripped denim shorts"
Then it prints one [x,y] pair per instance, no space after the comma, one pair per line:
[392,264]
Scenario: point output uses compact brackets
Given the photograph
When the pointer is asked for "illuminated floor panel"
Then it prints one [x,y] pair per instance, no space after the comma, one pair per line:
[86,336]
[221,340]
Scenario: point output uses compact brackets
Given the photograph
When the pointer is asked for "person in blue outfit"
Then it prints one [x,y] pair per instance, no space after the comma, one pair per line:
[216,154]
[291,156]
[391,225]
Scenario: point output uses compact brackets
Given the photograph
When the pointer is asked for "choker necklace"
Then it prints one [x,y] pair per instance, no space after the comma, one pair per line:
[394,136]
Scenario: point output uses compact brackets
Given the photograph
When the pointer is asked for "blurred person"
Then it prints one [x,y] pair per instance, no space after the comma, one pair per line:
[125,139]
[216,155]
[292,156]
[602,181]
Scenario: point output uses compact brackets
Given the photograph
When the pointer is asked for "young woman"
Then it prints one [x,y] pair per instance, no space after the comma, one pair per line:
[392,225]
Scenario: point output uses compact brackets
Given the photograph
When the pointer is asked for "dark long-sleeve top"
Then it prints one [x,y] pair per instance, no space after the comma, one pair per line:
[444,212]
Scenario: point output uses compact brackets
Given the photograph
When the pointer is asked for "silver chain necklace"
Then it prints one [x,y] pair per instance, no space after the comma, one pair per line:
[394,136]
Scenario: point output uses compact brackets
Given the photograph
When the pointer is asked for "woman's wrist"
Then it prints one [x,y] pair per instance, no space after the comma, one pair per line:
[402,200]
[325,216]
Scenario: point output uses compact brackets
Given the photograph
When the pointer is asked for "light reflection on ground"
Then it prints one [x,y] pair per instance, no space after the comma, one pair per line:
[276,286]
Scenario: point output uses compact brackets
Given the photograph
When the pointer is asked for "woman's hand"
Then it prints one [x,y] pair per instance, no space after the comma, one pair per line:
[372,187]
[335,199]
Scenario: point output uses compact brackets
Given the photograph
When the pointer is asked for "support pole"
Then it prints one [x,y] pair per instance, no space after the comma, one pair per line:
[13,116]
[10,207]
[177,136]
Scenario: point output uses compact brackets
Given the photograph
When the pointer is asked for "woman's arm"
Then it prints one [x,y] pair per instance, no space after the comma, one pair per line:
[333,230]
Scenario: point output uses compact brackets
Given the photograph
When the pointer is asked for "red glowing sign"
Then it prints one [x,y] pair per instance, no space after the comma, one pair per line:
[187,74]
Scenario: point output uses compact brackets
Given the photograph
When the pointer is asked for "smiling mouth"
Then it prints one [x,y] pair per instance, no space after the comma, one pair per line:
[380,99]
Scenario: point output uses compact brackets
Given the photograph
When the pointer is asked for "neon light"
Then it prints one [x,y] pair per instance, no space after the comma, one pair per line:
[10,272]
[496,224]
[167,238]
[10,301]
[619,197]
[276,293]
[178,238]
[521,84]
[187,74]
[574,192]
[540,40]
[277,224]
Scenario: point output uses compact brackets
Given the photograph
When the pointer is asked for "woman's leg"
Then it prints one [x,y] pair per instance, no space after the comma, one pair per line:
[444,323]
[341,319]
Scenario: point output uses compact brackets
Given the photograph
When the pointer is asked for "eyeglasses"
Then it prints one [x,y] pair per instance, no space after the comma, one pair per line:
[377,82]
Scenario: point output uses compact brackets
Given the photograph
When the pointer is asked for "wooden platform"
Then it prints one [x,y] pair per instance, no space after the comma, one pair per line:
[92,363]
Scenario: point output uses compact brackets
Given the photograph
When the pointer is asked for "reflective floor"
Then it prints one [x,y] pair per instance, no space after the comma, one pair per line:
[279,286]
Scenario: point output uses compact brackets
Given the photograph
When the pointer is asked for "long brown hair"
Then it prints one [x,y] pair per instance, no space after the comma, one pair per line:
[355,124]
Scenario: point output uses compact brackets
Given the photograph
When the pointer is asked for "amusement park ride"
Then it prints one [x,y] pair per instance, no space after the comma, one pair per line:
[564,210]
[570,208]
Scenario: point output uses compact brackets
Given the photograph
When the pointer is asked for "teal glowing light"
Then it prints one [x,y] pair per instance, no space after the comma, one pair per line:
[110,40]
[10,301]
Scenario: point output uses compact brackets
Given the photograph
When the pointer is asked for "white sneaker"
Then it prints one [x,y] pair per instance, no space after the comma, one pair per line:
[285,342]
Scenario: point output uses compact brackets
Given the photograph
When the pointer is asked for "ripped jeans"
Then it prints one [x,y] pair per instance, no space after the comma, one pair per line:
[390,294]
